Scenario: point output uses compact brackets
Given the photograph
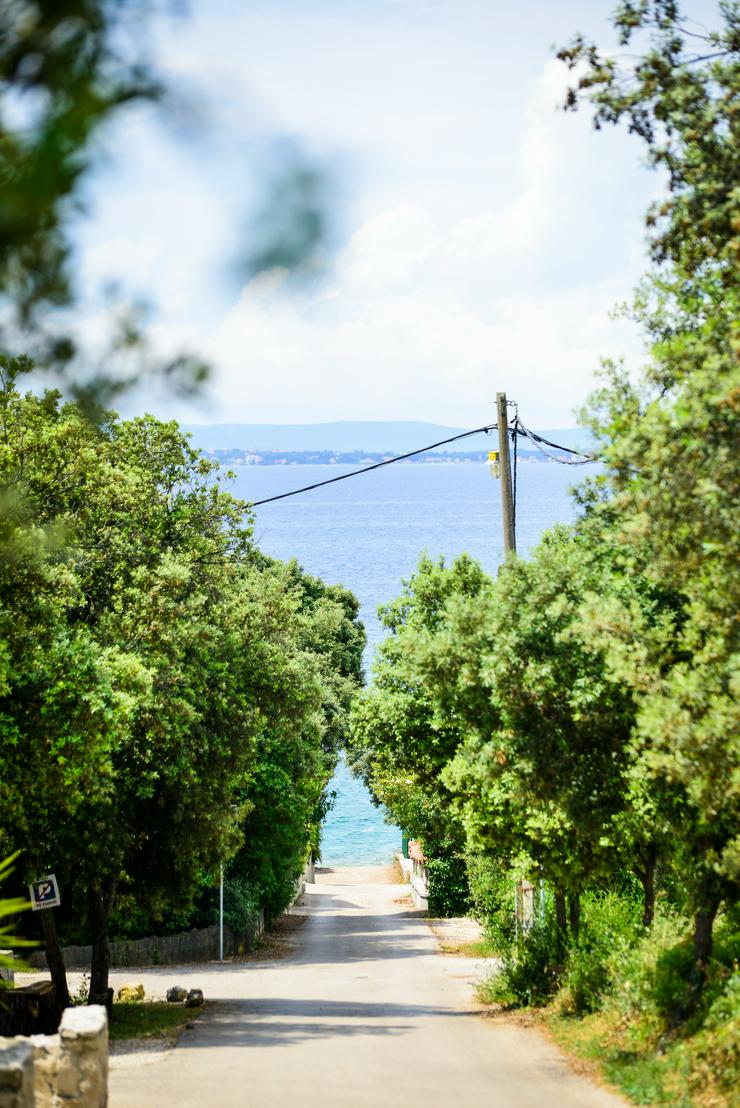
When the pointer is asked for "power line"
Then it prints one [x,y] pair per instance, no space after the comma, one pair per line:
[518,430]
[515,442]
[377,465]
[539,441]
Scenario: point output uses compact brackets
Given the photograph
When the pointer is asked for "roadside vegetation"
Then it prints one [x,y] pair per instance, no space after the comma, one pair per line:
[172,700]
[146,1019]
[574,723]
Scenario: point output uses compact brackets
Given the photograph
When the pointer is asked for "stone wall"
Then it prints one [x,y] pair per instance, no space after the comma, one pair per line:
[66,1070]
[417,876]
[198,945]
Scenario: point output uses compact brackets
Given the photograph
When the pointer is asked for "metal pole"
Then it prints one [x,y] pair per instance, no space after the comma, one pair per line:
[507,495]
[221,917]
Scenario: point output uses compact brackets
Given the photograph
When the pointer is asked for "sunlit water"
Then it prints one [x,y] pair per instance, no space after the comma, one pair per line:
[367,533]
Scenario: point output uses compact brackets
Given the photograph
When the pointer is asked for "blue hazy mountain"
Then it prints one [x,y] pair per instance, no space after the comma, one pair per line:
[346,435]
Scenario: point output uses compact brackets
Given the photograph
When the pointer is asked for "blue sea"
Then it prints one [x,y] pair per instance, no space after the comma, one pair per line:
[367,533]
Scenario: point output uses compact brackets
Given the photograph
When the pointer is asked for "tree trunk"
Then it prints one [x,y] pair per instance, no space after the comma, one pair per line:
[710,900]
[703,924]
[561,916]
[54,959]
[646,876]
[101,902]
[574,911]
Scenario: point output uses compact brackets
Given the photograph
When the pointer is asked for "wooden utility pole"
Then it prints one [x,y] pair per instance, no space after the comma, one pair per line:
[507,496]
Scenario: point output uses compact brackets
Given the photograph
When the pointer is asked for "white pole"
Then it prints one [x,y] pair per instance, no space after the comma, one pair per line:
[221,917]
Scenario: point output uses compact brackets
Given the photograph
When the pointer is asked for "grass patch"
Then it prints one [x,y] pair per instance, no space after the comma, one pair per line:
[478,948]
[134,1019]
[696,1071]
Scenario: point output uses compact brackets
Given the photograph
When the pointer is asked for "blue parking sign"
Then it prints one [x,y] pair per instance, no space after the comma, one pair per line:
[44,893]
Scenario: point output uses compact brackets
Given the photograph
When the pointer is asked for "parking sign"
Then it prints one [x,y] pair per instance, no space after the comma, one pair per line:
[44,893]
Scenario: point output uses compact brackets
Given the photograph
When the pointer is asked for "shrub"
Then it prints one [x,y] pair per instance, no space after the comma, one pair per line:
[491,898]
[716,1050]
[531,970]
[536,967]
[241,904]
[646,977]
[610,925]
[448,885]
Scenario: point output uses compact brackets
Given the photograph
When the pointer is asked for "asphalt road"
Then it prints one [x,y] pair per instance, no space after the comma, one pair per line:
[365,1013]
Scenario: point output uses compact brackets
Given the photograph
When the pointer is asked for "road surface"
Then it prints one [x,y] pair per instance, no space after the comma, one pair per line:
[364,1013]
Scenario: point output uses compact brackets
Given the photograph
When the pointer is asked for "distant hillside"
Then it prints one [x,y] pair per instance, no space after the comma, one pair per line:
[349,436]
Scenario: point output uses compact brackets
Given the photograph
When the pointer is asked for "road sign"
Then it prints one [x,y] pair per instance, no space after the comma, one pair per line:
[44,893]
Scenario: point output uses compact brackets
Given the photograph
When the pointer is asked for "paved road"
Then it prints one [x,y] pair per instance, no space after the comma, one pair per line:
[364,1014]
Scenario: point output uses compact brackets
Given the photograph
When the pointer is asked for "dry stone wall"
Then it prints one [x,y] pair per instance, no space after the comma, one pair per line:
[16,1073]
[66,1070]
[198,945]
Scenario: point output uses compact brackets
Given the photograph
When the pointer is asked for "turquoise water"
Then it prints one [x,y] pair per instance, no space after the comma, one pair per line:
[355,831]
[367,533]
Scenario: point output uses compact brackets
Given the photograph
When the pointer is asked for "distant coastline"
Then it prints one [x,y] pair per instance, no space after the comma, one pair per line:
[353,457]
[350,442]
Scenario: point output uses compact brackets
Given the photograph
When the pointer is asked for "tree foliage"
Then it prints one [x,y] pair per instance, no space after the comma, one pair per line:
[68,70]
[678,95]
[548,771]
[590,694]
[668,435]
[65,68]
[398,742]
[153,664]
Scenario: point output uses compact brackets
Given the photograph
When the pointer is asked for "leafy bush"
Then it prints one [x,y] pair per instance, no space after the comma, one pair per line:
[241,904]
[646,977]
[448,885]
[531,970]
[540,963]
[716,1050]
[649,980]
[491,892]
[634,1033]
[610,926]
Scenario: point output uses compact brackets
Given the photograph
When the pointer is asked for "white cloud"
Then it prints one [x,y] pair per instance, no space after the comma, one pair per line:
[423,320]
[487,237]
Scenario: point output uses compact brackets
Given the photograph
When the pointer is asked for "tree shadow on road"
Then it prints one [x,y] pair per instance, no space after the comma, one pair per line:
[285,1021]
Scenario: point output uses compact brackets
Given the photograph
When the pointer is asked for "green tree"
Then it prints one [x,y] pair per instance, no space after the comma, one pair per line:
[285,798]
[68,67]
[399,742]
[546,771]
[187,653]
[668,436]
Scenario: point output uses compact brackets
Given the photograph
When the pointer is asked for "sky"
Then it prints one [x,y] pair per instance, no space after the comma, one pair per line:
[480,237]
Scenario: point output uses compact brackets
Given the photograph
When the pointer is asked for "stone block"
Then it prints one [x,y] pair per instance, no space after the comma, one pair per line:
[16,1074]
[84,1036]
[87,1022]
[68,1076]
[47,1050]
